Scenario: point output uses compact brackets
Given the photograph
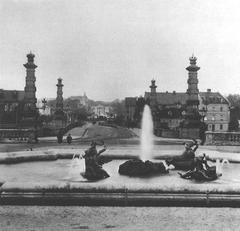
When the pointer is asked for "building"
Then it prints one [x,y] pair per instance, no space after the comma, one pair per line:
[216,110]
[182,114]
[130,104]
[82,101]
[18,107]
[169,112]
[101,111]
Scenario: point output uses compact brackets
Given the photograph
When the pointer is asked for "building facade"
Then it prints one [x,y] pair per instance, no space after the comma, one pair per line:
[182,114]
[216,111]
[130,104]
[101,111]
[18,107]
[81,101]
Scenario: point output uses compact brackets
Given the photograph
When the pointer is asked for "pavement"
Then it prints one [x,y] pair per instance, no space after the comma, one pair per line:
[54,218]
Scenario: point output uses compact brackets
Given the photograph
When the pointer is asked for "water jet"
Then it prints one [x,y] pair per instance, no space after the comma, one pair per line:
[145,165]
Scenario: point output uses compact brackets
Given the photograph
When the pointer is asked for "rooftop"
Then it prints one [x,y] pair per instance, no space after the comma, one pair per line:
[11,95]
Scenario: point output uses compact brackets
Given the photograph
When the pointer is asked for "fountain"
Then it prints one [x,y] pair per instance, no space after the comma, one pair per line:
[77,166]
[144,165]
[219,165]
[34,178]
[146,135]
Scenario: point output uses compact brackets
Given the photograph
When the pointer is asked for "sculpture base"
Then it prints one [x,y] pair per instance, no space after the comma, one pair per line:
[142,169]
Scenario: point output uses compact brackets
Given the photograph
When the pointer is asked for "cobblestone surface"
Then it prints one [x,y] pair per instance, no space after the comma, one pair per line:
[117,218]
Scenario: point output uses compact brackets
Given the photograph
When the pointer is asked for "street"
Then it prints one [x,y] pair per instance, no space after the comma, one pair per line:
[29,218]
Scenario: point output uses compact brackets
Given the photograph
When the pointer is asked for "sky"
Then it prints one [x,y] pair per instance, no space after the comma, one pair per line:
[114,48]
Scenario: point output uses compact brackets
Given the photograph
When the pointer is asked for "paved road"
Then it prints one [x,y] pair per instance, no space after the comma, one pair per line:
[117,218]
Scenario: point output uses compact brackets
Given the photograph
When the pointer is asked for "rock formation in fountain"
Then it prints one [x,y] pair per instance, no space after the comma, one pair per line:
[144,167]
[140,168]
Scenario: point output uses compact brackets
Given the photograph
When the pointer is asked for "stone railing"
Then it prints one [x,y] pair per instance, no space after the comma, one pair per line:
[222,138]
[16,134]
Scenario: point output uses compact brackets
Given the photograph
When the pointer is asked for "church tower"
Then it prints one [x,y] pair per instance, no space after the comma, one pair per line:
[153,95]
[153,87]
[30,88]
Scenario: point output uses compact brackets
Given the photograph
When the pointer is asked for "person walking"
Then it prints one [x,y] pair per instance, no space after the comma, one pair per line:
[60,137]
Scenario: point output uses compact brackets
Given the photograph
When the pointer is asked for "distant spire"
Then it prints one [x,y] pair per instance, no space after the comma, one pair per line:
[153,86]
[193,60]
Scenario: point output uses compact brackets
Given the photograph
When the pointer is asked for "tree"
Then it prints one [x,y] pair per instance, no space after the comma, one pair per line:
[80,114]
[234,100]
[234,117]
[140,103]
[118,107]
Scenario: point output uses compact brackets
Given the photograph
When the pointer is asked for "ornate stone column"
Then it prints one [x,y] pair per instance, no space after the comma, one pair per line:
[30,88]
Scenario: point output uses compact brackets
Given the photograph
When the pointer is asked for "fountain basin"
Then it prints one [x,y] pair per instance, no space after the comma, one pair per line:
[48,183]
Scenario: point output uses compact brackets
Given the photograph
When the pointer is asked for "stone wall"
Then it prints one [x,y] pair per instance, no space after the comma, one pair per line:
[222,138]
[19,134]
[169,133]
[189,133]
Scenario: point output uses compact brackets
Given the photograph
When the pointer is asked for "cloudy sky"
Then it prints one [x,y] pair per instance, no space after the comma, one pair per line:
[113,48]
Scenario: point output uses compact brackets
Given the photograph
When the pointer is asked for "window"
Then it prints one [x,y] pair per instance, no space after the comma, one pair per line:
[221,126]
[221,108]
[213,127]
[6,107]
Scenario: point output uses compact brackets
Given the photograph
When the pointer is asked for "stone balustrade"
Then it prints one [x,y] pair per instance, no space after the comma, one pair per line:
[222,138]
[19,134]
